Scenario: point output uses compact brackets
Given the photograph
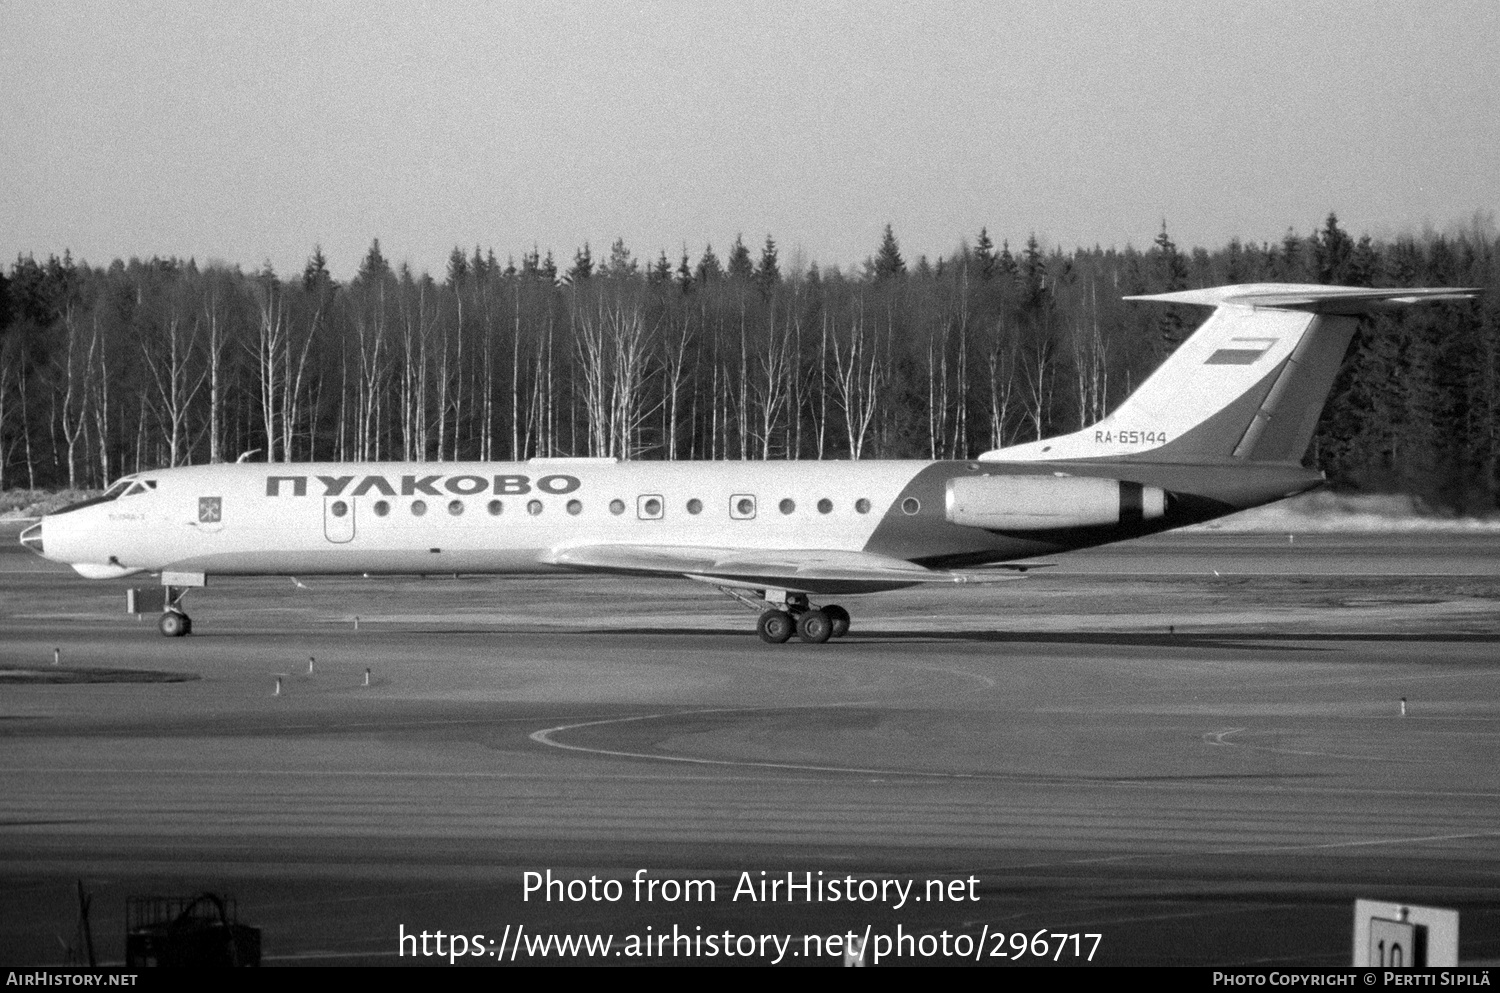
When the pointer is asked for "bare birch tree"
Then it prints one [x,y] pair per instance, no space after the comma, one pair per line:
[677,339]
[859,374]
[611,346]
[215,321]
[1090,359]
[773,383]
[76,366]
[1002,363]
[270,343]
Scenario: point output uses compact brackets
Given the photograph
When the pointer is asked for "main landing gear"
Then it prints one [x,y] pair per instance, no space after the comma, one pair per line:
[783,614]
[814,625]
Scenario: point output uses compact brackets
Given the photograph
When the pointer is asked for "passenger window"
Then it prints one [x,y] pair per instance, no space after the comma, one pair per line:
[496,507]
[788,505]
[455,507]
[742,507]
[575,507]
[862,506]
[617,507]
[695,506]
[825,506]
[382,508]
[533,507]
[648,506]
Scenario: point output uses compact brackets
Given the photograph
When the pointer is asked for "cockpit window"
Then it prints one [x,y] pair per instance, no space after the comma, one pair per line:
[138,488]
[120,487]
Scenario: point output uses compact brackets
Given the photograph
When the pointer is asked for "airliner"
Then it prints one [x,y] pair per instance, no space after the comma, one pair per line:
[1221,426]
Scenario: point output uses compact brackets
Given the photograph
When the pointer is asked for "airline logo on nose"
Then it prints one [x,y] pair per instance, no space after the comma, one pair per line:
[1242,351]
[210,510]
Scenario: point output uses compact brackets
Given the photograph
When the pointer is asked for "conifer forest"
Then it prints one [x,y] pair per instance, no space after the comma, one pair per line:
[142,364]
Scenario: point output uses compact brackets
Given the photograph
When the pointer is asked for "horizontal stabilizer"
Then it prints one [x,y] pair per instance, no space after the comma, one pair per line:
[1345,300]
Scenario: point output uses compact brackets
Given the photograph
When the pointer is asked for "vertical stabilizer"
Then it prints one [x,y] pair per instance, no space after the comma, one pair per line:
[1247,386]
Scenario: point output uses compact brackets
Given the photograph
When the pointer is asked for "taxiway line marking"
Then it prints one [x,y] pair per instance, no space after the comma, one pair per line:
[544,737]
[1218,738]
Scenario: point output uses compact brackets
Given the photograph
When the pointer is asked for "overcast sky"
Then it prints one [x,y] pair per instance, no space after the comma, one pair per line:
[247,131]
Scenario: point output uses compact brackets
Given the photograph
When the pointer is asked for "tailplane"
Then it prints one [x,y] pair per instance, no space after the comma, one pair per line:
[1247,386]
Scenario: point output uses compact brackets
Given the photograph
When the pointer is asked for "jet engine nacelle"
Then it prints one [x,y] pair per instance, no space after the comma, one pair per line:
[1049,503]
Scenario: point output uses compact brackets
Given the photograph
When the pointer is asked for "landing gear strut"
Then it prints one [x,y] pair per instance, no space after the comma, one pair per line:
[783,614]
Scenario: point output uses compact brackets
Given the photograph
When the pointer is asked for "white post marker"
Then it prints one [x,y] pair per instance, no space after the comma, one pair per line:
[57,656]
[356,622]
[278,687]
[367,676]
[1404,936]
[309,665]
[1403,706]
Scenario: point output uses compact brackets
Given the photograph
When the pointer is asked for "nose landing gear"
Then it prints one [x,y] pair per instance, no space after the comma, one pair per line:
[175,624]
[174,621]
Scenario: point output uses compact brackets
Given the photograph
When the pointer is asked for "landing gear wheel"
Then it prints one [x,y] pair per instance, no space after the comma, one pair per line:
[840,619]
[775,626]
[174,624]
[814,627]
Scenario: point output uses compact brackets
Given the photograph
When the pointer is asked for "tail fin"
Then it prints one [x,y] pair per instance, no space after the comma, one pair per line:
[1247,386]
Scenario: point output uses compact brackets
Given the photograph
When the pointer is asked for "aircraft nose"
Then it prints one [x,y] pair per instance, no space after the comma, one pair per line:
[32,538]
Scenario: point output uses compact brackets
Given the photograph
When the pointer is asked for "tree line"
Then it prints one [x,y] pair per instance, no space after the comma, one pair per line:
[163,362]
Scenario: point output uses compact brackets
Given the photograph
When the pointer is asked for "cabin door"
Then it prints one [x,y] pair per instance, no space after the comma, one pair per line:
[338,519]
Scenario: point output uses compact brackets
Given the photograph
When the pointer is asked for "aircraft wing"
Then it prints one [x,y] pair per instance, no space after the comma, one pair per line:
[794,570]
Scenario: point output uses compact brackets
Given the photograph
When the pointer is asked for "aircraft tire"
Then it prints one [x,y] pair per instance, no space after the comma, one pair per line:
[775,627]
[814,627]
[172,624]
[840,619]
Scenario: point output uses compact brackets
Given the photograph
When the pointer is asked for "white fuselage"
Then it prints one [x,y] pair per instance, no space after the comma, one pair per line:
[467,517]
